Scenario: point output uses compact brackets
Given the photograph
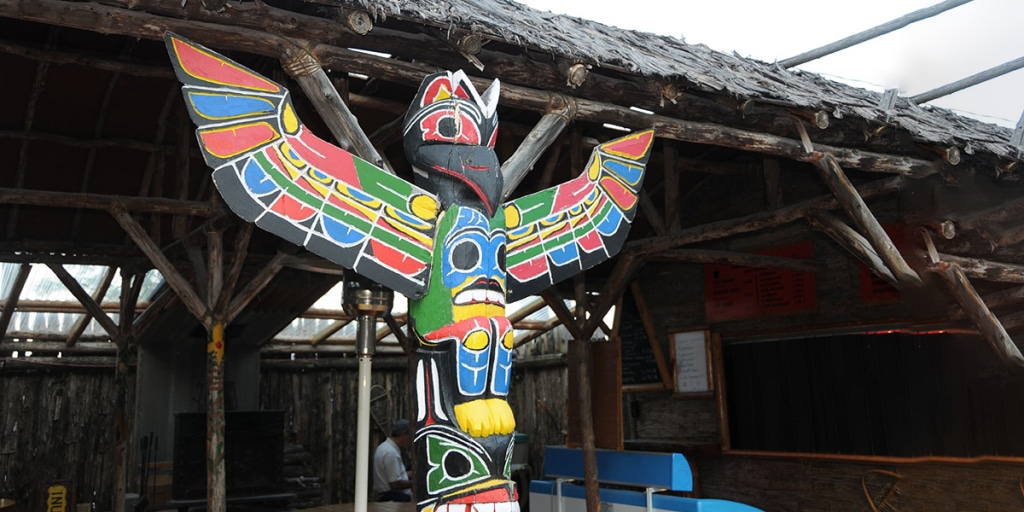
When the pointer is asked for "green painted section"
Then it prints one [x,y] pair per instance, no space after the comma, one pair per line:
[463,465]
[434,309]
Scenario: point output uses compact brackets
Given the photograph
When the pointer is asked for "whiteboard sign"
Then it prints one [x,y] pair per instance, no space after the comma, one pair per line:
[691,362]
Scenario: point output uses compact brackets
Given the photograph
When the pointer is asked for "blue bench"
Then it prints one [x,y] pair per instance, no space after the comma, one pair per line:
[654,472]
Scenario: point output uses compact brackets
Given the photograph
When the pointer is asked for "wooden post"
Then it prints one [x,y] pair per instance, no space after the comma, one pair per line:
[586,405]
[216,481]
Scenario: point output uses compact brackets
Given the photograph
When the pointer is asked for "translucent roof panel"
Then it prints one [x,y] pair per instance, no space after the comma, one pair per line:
[32,323]
[150,284]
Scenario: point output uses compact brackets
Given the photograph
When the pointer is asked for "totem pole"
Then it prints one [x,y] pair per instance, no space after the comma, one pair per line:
[445,242]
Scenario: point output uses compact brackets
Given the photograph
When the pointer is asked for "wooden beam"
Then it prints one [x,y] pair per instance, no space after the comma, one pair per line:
[586,408]
[530,150]
[530,308]
[534,334]
[83,296]
[129,301]
[982,269]
[238,256]
[301,65]
[94,143]
[626,265]
[254,287]
[651,213]
[13,296]
[554,301]
[708,256]
[853,242]
[861,215]
[974,307]
[113,20]
[174,279]
[83,322]
[755,222]
[396,328]
[20,196]
[990,327]
[993,300]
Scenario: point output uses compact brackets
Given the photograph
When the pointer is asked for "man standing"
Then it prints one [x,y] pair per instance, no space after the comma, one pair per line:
[390,478]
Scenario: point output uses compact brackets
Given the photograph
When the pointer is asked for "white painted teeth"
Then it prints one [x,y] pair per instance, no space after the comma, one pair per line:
[505,506]
[479,296]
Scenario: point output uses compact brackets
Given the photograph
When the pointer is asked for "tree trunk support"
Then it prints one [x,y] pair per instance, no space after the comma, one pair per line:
[530,150]
[853,242]
[982,317]
[855,207]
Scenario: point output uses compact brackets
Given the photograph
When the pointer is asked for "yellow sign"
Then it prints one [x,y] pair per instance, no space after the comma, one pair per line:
[57,498]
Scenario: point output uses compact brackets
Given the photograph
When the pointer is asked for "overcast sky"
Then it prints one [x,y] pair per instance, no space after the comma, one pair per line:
[920,57]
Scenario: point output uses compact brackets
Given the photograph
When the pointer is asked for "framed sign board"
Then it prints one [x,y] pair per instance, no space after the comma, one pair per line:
[691,351]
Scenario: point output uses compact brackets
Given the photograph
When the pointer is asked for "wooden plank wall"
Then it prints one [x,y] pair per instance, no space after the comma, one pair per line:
[320,415]
[819,486]
[57,424]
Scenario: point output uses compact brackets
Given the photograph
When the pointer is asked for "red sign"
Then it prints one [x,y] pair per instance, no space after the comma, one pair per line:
[874,289]
[736,293]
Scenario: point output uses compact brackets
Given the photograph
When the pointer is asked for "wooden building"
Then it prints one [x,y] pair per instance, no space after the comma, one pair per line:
[817,303]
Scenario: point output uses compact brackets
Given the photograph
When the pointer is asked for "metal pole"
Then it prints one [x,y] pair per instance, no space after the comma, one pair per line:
[366,301]
[365,337]
[970,81]
[871,33]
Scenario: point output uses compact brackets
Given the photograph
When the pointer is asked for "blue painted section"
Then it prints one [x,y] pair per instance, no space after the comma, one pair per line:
[226,106]
[638,499]
[643,469]
[610,224]
[629,173]
[344,234]
[565,254]
[256,179]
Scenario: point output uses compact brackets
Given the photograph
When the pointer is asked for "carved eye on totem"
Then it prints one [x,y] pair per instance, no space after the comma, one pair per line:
[466,254]
[499,256]
[453,464]
[450,126]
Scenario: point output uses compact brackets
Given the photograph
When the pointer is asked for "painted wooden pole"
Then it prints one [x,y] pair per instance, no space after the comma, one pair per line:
[216,481]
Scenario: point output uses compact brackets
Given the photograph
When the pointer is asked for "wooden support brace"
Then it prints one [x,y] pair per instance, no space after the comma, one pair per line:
[255,286]
[174,279]
[557,306]
[215,268]
[855,207]
[20,196]
[526,155]
[91,305]
[534,334]
[396,329]
[83,321]
[11,303]
[652,214]
[306,70]
[627,264]
[965,294]
[673,219]
[853,242]
[980,315]
[530,308]
[992,301]
[131,288]
[241,250]
[754,222]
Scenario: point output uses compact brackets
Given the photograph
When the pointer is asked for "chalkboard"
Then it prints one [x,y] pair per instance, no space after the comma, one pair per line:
[640,360]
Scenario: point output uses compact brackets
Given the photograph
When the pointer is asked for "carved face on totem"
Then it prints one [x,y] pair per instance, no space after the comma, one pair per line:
[449,137]
[464,425]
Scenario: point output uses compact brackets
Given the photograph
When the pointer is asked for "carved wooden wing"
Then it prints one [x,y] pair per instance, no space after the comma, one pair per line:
[557,233]
[273,171]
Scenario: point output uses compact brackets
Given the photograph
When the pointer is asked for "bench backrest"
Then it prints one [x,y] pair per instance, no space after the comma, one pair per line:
[641,469]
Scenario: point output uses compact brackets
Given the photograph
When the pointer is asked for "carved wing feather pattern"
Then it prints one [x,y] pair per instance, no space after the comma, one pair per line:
[273,171]
[558,232]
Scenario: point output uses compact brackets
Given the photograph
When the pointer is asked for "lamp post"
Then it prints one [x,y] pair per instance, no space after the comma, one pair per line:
[367,301]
